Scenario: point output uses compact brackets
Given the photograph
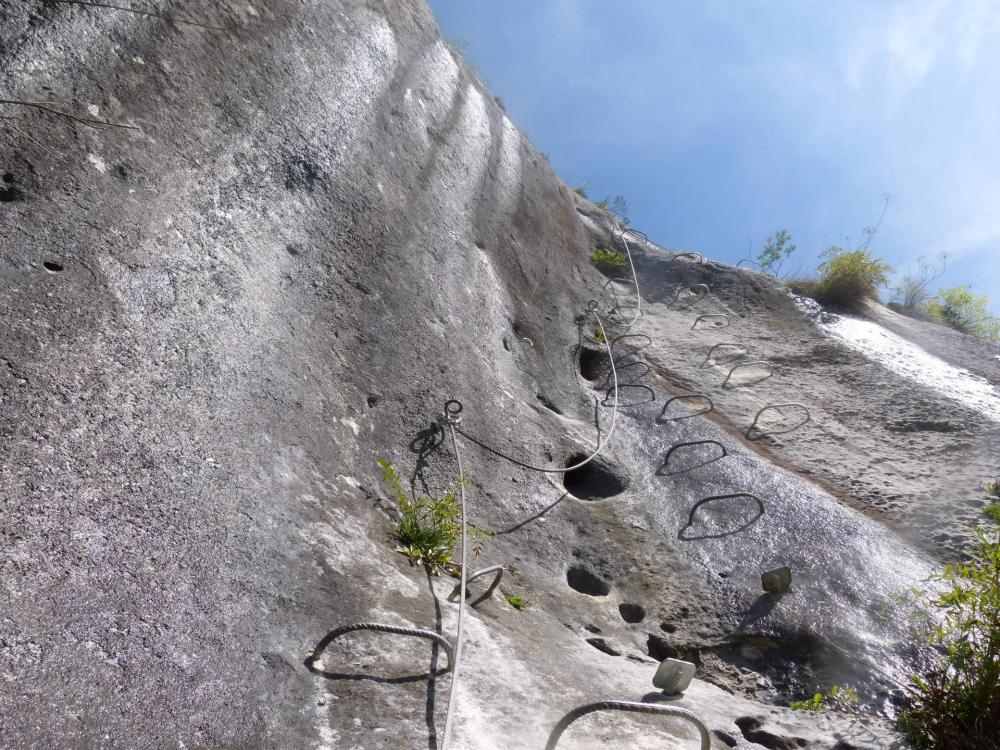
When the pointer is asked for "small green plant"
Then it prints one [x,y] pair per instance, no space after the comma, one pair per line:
[779,246]
[965,311]
[428,529]
[581,190]
[517,602]
[837,698]
[600,336]
[993,488]
[847,277]
[957,701]
[607,260]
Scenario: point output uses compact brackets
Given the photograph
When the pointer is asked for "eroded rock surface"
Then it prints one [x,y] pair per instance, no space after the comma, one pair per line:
[321,227]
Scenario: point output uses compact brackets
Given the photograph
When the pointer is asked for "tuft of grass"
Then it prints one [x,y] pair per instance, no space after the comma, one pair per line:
[993,488]
[581,190]
[607,260]
[428,529]
[517,602]
[600,336]
[837,698]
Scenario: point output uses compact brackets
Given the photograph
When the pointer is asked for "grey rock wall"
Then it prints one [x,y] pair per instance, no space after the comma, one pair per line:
[318,227]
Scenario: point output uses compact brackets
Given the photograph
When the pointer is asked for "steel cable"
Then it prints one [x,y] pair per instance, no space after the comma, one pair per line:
[592,306]
[450,416]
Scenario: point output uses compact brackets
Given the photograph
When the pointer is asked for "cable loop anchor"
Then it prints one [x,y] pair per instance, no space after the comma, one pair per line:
[452,408]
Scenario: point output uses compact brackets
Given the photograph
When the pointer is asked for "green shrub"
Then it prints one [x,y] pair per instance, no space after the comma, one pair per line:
[428,529]
[957,703]
[779,246]
[993,488]
[607,260]
[848,277]
[965,311]
[581,190]
[836,698]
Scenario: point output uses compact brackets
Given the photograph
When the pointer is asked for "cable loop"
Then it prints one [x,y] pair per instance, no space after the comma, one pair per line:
[452,408]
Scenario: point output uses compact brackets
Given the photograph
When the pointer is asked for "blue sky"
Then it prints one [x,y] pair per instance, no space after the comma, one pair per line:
[723,120]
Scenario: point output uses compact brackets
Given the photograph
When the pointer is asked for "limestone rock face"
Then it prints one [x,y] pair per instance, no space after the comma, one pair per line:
[270,243]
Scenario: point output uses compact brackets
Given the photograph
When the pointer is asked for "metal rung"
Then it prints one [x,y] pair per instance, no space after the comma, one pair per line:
[697,257]
[633,707]
[687,397]
[377,627]
[637,233]
[622,387]
[649,341]
[770,370]
[779,407]
[744,353]
[694,508]
[699,290]
[666,458]
[711,315]
[498,569]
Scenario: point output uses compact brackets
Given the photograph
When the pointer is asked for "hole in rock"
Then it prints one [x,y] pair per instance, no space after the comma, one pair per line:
[725,738]
[602,645]
[668,627]
[593,364]
[659,649]
[752,731]
[581,579]
[52,267]
[9,192]
[592,481]
[632,612]
[293,250]
[591,628]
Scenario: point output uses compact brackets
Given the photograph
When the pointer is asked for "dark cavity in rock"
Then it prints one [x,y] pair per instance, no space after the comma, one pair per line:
[581,579]
[602,645]
[592,481]
[593,364]
[632,612]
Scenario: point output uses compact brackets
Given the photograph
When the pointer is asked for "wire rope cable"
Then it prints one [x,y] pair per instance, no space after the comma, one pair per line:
[592,306]
[450,416]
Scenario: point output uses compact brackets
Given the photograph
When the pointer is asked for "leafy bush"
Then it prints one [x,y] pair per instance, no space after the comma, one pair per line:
[836,698]
[607,260]
[965,311]
[911,295]
[847,277]
[581,190]
[957,703]
[428,529]
[993,488]
[779,246]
